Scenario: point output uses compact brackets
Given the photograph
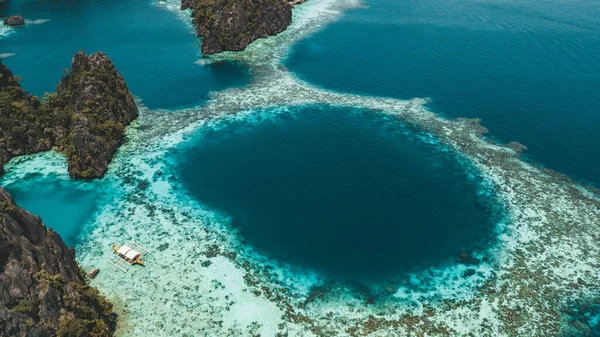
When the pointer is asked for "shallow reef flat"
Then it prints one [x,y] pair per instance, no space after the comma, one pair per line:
[543,278]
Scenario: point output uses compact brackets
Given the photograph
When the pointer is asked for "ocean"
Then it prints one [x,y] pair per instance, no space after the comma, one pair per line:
[306,194]
[530,70]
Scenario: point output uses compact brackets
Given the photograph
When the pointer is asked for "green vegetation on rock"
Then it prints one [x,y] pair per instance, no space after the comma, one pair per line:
[232,25]
[22,129]
[87,314]
[44,291]
[85,118]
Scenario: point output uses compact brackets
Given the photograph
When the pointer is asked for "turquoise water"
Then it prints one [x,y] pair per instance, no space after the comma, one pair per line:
[152,47]
[530,70]
[584,319]
[350,194]
[65,206]
[154,50]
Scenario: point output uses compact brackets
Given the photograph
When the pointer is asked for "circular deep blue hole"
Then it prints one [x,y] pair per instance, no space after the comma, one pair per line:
[348,193]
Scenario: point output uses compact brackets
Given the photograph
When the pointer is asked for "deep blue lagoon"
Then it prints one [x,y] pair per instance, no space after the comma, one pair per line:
[348,193]
[529,69]
[154,49]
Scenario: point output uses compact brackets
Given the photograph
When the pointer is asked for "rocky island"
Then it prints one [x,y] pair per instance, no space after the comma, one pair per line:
[43,291]
[94,106]
[85,118]
[13,20]
[232,25]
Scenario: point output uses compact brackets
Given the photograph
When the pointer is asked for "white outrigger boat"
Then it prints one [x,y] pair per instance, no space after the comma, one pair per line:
[127,255]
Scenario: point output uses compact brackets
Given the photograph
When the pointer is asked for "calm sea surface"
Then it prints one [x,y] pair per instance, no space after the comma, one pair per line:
[152,47]
[529,69]
[349,194]
[336,190]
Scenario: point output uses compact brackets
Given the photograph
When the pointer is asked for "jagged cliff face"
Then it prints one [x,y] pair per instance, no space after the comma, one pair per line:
[22,129]
[233,24]
[100,106]
[43,291]
[86,118]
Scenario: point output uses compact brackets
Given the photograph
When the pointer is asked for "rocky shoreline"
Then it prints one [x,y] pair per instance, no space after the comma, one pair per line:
[22,129]
[85,119]
[232,25]
[96,106]
[43,291]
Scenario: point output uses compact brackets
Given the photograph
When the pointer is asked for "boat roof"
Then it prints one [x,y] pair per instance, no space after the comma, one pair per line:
[123,250]
[123,261]
[128,252]
[132,254]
